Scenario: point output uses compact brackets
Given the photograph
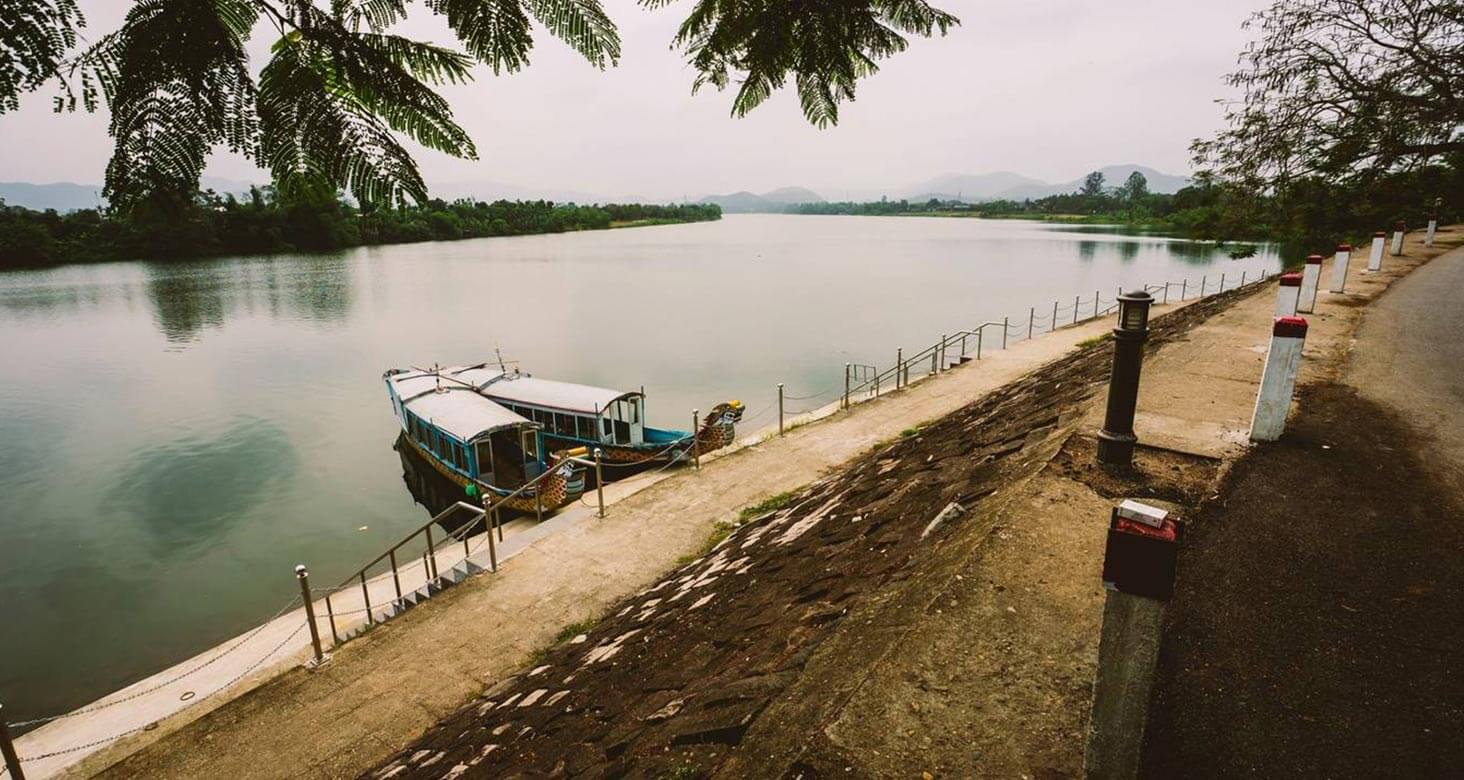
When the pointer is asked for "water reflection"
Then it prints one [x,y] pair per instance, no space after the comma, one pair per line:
[186,493]
[1127,251]
[187,299]
[1087,250]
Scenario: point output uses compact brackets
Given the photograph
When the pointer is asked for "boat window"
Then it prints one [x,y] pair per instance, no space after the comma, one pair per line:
[605,427]
[564,424]
[585,427]
[634,411]
[622,432]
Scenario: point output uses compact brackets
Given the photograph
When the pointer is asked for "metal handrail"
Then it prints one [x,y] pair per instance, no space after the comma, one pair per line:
[456,506]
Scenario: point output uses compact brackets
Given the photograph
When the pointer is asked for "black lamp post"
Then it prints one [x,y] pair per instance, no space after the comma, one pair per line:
[1116,440]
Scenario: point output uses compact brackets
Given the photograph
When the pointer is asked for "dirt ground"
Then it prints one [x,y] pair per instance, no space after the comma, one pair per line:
[825,638]
[1316,629]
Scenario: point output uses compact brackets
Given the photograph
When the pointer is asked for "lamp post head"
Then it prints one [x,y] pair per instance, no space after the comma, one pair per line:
[1133,311]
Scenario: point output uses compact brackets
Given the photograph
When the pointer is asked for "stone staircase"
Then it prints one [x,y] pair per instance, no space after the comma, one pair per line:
[446,578]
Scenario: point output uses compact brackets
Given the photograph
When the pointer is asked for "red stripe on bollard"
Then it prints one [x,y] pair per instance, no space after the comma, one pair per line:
[1289,327]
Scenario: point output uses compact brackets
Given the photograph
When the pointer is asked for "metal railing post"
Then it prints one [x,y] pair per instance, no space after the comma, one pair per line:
[780,408]
[1204,280]
[1242,278]
[492,510]
[366,599]
[963,345]
[847,367]
[1222,282]
[431,556]
[934,353]
[330,613]
[1053,326]
[1183,287]
[981,331]
[304,577]
[600,484]
[695,449]
[899,366]
[942,365]
[1076,300]
[1005,326]
[1166,291]
[1095,304]
[1031,318]
[7,747]
[396,579]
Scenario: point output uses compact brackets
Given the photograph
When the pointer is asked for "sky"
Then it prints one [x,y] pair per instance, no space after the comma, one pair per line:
[1046,88]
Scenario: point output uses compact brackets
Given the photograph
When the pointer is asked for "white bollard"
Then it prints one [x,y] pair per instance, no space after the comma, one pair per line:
[1375,256]
[1287,294]
[1398,231]
[1339,267]
[1311,277]
[1278,379]
[1433,226]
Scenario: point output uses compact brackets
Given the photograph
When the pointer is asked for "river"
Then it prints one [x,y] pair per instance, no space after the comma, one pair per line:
[176,437]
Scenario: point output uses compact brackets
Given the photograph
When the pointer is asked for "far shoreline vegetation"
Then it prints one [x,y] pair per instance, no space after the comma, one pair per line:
[213,225]
[1311,217]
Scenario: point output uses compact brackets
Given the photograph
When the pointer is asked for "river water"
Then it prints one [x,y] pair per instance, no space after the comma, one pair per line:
[176,437]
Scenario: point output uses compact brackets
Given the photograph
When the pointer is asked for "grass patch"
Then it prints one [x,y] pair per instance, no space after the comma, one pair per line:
[687,771]
[574,629]
[1096,340]
[769,504]
[908,432]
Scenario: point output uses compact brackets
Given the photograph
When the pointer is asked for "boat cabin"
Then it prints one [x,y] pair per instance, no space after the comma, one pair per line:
[582,413]
[446,416]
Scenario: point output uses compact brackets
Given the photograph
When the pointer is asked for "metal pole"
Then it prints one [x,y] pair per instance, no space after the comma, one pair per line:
[899,365]
[431,556]
[1054,318]
[695,449]
[1222,282]
[1204,280]
[492,548]
[1242,278]
[1031,318]
[1166,291]
[12,761]
[330,613]
[1095,304]
[780,409]
[1183,287]
[979,333]
[599,484]
[395,580]
[943,338]
[934,351]
[963,346]
[366,598]
[1005,326]
[847,367]
[304,578]
[1076,301]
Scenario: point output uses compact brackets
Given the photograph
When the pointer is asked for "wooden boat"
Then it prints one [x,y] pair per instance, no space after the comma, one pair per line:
[477,443]
[614,421]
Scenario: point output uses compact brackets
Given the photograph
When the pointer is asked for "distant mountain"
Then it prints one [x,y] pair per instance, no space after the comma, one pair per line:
[61,196]
[793,195]
[967,187]
[1005,185]
[67,196]
[776,201]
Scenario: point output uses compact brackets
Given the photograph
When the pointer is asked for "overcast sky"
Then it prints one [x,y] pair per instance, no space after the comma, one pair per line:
[1045,88]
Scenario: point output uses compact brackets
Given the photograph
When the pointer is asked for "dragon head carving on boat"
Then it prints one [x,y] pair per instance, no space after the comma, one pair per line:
[719,429]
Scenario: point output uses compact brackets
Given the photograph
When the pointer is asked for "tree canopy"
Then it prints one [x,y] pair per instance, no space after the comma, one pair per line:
[341,91]
[1345,90]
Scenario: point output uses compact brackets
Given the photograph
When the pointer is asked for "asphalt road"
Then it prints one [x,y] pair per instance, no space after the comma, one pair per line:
[1410,357]
[1316,628]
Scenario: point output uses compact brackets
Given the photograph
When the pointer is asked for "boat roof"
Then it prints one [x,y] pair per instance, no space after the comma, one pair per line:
[458,408]
[567,396]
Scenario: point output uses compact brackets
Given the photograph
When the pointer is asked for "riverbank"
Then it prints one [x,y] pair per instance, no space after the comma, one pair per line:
[396,680]
[211,226]
[933,608]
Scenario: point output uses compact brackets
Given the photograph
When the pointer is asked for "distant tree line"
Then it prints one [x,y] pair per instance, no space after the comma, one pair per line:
[1309,214]
[211,224]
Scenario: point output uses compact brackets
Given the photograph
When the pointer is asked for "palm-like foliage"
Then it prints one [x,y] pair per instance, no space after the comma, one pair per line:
[825,46]
[34,36]
[341,92]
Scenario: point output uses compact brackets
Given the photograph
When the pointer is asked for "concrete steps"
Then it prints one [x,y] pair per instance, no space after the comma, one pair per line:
[446,578]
